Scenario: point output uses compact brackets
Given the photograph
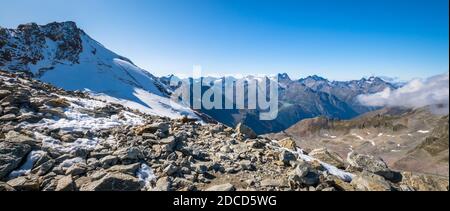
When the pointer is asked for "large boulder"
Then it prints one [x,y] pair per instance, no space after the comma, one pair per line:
[4,93]
[367,181]
[5,187]
[287,157]
[163,184]
[304,175]
[324,155]
[371,164]
[28,183]
[114,182]
[65,184]
[126,169]
[288,143]
[11,156]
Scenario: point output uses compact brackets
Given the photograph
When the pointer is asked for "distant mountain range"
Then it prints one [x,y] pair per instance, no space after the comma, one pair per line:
[65,56]
[298,99]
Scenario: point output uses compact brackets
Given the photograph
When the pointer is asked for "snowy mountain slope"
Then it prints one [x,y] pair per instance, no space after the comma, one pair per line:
[65,56]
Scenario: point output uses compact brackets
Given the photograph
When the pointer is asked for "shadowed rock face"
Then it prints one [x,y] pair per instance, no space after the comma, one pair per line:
[27,44]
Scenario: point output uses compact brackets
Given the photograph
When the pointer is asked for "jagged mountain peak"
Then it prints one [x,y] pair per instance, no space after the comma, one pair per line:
[64,55]
[314,78]
[284,76]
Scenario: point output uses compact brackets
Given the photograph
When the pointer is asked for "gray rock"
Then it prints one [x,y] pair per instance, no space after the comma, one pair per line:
[76,169]
[109,161]
[4,93]
[129,154]
[247,165]
[171,170]
[30,118]
[286,157]
[45,167]
[367,181]
[5,187]
[273,183]
[163,184]
[13,136]
[304,174]
[65,184]
[11,110]
[24,183]
[169,142]
[11,156]
[324,155]
[126,169]
[370,164]
[8,117]
[153,128]
[113,182]
[245,131]
[67,138]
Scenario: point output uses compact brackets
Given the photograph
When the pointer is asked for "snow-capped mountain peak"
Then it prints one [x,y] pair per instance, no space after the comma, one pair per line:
[65,56]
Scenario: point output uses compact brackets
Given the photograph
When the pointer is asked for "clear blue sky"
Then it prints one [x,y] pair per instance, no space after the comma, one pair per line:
[336,39]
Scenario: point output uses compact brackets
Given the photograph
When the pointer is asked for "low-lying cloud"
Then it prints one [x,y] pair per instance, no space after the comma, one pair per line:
[433,92]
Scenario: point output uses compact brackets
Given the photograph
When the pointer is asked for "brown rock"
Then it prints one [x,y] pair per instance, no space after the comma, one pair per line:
[288,143]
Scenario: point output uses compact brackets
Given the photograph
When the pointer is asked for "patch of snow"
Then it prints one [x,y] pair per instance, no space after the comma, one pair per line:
[70,162]
[330,168]
[81,143]
[146,175]
[25,169]
[358,136]
[372,142]
[78,121]
[104,72]
[380,134]
[151,104]
[423,131]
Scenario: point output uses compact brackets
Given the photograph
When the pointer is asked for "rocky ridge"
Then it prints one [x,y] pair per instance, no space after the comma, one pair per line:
[57,140]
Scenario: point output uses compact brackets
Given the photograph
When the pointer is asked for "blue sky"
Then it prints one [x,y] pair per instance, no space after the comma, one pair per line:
[340,40]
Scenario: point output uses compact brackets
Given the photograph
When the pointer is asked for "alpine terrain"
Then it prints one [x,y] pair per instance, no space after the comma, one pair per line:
[75,116]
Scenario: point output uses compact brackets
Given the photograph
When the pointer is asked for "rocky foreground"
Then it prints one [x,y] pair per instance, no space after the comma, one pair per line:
[55,140]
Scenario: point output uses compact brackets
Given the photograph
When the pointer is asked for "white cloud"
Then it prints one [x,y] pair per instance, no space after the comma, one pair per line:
[433,92]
